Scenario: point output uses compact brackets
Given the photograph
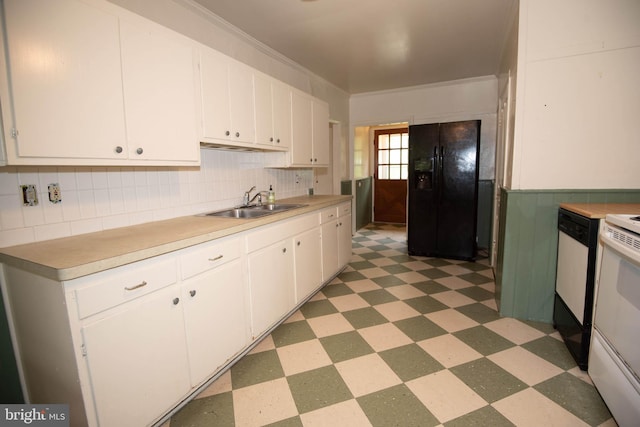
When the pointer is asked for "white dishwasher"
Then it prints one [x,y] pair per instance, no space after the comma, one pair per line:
[575,282]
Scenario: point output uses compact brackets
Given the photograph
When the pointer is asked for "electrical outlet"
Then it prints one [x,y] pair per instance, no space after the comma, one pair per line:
[55,196]
[29,195]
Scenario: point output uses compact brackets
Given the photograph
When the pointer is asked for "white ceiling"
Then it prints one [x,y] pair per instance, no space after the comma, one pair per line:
[370,45]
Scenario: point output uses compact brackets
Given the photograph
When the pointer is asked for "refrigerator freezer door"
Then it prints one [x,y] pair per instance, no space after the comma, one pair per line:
[423,187]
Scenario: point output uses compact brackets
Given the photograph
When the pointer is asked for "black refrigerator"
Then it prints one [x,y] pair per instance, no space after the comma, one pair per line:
[443,189]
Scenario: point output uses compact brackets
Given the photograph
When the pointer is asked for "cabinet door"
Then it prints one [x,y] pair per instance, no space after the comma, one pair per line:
[214,81]
[281,114]
[301,119]
[264,110]
[308,263]
[137,360]
[65,79]
[320,133]
[215,315]
[271,279]
[329,249]
[344,240]
[241,103]
[159,77]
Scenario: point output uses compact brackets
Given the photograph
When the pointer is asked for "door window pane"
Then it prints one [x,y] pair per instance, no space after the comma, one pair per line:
[383,142]
[395,141]
[392,154]
[383,157]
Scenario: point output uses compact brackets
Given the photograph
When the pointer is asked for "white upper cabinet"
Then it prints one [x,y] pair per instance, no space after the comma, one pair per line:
[310,131]
[301,118]
[273,112]
[228,107]
[160,86]
[88,83]
[320,136]
[65,81]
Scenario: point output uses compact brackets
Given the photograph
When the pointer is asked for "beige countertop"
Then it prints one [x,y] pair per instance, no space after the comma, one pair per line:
[71,257]
[600,210]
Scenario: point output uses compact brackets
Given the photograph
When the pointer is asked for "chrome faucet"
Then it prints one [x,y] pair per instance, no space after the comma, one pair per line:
[258,195]
[247,195]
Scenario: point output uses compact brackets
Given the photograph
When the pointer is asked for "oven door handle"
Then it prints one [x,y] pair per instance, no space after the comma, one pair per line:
[626,253]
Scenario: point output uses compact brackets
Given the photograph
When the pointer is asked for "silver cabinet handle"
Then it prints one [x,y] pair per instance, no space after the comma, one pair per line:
[227,133]
[237,134]
[139,285]
[139,150]
[192,293]
[284,250]
[216,258]
[118,149]
[271,139]
[278,140]
[176,301]
[298,243]
[315,160]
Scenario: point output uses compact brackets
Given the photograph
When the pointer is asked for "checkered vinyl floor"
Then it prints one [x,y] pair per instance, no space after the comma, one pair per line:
[397,340]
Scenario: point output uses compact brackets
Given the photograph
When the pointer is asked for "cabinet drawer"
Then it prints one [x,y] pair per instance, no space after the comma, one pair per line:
[124,285]
[207,256]
[344,209]
[328,214]
[268,235]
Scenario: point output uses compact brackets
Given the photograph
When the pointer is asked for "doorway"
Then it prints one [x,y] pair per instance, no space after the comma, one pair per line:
[391,159]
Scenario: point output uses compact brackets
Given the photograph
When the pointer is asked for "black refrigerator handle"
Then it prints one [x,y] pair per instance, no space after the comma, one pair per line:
[434,169]
[440,174]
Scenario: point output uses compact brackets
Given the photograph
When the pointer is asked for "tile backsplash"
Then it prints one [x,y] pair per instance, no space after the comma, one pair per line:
[100,198]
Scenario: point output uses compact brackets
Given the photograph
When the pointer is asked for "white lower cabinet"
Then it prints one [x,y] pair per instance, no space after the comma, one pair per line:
[137,360]
[215,319]
[308,263]
[336,239]
[344,235]
[271,280]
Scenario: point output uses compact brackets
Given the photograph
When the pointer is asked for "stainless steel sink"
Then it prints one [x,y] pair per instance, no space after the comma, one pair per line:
[248,212]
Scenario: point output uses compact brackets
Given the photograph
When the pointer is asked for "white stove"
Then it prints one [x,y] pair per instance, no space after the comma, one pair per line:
[628,222]
[614,361]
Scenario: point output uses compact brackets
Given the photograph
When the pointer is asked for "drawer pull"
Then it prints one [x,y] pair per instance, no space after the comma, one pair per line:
[192,293]
[216,258]
[139,285]
[176,301]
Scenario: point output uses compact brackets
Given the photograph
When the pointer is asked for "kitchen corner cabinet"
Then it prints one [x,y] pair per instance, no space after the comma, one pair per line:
[83,86]
[310,131]
[227,99]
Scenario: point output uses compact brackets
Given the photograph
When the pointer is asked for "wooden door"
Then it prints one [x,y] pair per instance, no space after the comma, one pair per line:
[390,177]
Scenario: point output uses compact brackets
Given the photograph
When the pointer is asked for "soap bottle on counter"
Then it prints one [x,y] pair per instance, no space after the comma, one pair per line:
[271,198]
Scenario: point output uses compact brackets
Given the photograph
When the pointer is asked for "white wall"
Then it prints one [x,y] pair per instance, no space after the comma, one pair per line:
[468,99]
[578,96]
[95,199]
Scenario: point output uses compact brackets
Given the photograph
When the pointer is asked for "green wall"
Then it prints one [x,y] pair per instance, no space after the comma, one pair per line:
[364,200]
[528,243]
